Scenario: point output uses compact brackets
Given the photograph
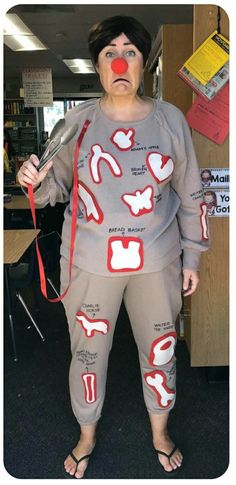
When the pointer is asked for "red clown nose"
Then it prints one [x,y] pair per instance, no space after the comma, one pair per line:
[119,65]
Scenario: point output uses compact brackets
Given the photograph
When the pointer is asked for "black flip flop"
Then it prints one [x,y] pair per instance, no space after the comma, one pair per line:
[174,470]
[85,457]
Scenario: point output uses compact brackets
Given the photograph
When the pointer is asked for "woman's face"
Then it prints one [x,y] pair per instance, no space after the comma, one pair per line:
[128,82]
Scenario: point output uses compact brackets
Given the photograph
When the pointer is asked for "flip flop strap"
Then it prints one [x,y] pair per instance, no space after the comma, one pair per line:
[166,454]
[78,461]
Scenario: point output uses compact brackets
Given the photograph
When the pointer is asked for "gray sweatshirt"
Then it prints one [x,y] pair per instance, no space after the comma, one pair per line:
[140,194]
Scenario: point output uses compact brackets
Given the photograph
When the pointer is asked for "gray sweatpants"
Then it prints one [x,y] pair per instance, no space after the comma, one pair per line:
[92,304]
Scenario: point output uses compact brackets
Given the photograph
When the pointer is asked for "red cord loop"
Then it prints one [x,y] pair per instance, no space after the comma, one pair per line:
[75,198]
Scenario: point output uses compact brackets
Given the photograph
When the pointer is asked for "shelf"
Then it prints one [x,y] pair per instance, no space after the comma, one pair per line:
[23,125]
[22,140]
[17,108]
[20,114]
[16,127]
[19,120]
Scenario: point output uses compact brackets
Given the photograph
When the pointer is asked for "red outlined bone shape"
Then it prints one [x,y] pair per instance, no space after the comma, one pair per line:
[139,202]
[160,166]
[123,139]
[91,326]
[93,211]
[204,221]
[97,155]
[157,381]
[90,387]
[125,254]
[162,349]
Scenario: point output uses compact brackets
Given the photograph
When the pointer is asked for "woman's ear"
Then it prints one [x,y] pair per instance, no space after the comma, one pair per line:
[97,68]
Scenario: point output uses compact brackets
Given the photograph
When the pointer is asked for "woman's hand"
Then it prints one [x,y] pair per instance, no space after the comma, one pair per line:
[190,281]
[28,173]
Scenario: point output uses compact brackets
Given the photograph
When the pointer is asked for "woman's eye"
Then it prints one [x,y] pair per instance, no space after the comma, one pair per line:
[130,53]
[109,54]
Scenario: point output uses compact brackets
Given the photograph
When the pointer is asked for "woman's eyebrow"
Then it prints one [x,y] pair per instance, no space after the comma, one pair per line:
[125,43]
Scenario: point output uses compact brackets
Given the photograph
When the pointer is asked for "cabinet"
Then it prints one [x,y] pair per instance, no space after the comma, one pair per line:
[172,46]
[23,127]
[208,332]
[206,313]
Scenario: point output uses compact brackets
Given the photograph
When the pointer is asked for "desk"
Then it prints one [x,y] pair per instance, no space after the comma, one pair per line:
[12,188]
[17,213]
[18,202]
[12,185]
[16,242]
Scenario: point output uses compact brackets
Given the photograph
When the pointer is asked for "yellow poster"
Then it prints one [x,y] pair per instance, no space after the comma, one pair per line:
[209,57]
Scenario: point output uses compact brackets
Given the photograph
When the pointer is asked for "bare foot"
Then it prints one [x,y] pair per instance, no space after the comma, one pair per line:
[164,443]
[83,448]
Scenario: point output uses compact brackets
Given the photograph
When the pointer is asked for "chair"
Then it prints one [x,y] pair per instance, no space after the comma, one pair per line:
[25,274]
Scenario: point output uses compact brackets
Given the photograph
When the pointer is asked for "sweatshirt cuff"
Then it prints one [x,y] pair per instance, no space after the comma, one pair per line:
[40,193]
[26,191]
[191,259]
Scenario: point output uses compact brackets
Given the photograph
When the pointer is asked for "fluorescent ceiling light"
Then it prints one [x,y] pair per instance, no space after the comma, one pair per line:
[23,42]
[80,66]
[18,37]
[13,25]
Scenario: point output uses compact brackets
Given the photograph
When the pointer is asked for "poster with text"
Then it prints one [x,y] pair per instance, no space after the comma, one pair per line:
[37,84]
[215,177]
[218,202]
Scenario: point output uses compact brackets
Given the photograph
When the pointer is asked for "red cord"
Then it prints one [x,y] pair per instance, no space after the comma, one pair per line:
[43,284]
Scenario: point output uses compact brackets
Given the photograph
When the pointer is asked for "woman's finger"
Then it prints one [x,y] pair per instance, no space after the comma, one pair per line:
[190,282]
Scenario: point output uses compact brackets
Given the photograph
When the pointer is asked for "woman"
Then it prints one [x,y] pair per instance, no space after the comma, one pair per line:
[141,207]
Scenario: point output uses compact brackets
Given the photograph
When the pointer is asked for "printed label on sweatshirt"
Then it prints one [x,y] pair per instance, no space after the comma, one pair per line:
[162,349]
[86,357]
[204,221]
[90,325]
[157,381]
[93,211]
[139,202]
[90,387]
[160,166]
[123,139]
[125,254]
[94,163]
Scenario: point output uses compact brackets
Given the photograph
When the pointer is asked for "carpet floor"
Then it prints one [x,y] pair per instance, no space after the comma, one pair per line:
[40,429]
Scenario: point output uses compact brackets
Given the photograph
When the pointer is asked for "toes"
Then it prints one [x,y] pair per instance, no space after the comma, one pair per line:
[69,466]
[77,475]
[70,470]
[74,469]
[80,473]
[166,464]
[172,464]
[176,460]
[81,469]
[179,461]
[179,457]
[168,467]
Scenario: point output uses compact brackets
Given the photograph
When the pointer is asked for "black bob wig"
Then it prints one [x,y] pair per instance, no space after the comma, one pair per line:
[102,33]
